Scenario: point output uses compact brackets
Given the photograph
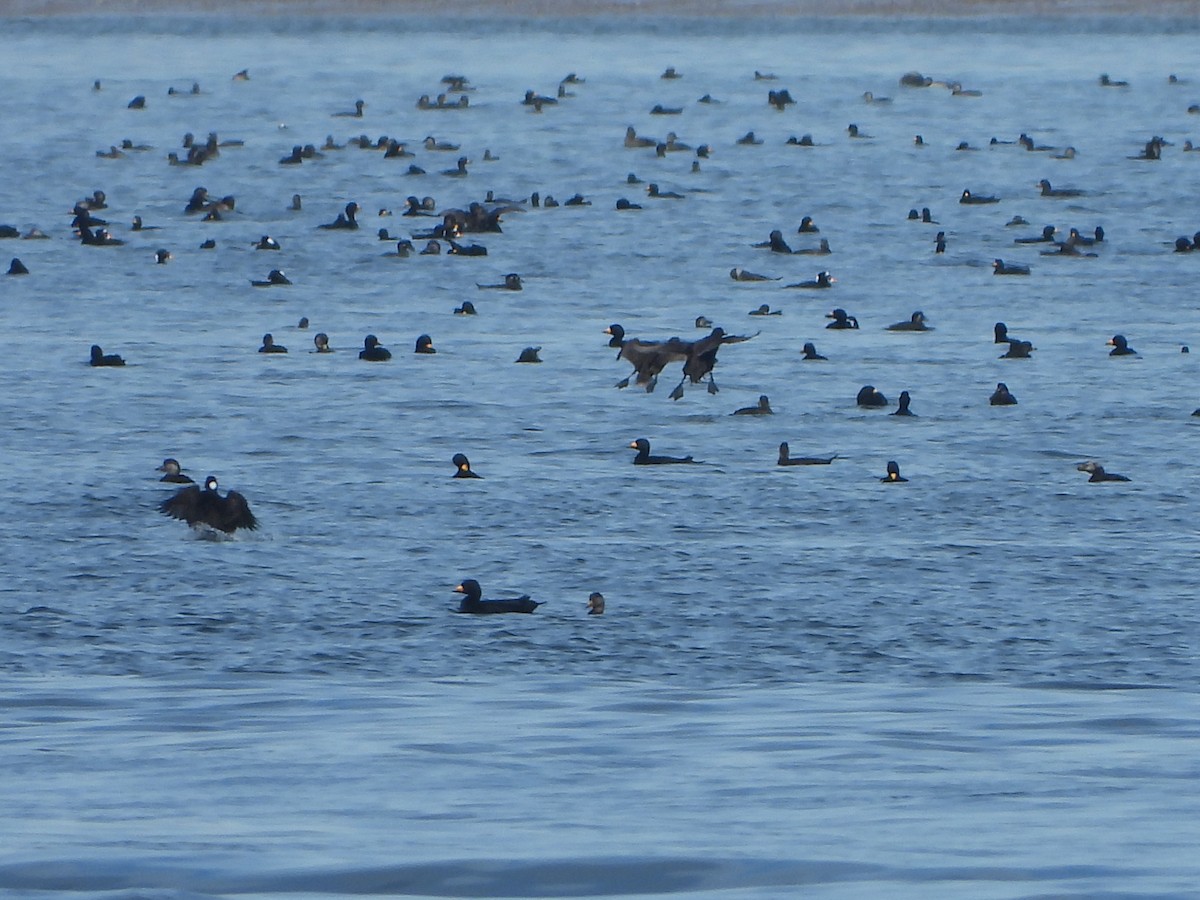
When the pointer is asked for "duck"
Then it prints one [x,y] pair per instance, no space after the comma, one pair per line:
[633,140]
[139,225]
[1098,474]
[345,221]
[870,398]
[763,408]
[16,267]
[473,602]
[462,467]
[98,358]
[467,309]
[269,345]
[373,351]
[653,191]
[1000,267]
[841,320]
[174,472]
[1105,81]
[208,508]
[749,140]
[1120,346]
[274,277]
[530,355]
[624,203]
[1046,237]
[266,242]
[805,140]
[321,342]
[595,604]
[807,226]
[775,243]
[786,459]
[460,169]
[737,273]
[1017,350]
[701,357]
[823,280]
[648,358]
[968,198]
[1001,396]
[869,97]
[810,352]
[893,475]
[1048,191]
[915,323]
[852,131]
[512,282]
[765,310]
[424,345]
[703,322]
[821,249]
[903,409]
[1082,240]
[162,256]
[659,110]
[644,458]
[356,114]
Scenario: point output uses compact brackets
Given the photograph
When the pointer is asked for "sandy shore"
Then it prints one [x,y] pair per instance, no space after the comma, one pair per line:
[757,9]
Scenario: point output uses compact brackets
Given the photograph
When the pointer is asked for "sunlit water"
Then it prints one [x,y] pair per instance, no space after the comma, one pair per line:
[979,683]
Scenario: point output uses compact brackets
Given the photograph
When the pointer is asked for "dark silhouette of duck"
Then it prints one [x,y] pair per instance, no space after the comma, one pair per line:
[462,467]
[823,280]
[968,198]
[1120,346]
[807,226]
[652,190]
[903,409]
[1046,237]
[775,243]
[820,250]
[1017,350]
[1048,191]
[512,282]
[1098,474]
[207,507]
[893,475]
[763,408]
[765,310]
[870,398]
[737,273]
[1000,267]
[841,320]
[424,345]
[473,602]
[345,221]
[274,277]
[467,309]
[321,342]
[915,323]
[356,114]
[16,267]
[530,355]
[786,459]
[1002,396]
[269,345]
[810,352]
[702,356]
[266,242]
[643,458]
[174,472]
[98,358]
[595,604]
[373,351]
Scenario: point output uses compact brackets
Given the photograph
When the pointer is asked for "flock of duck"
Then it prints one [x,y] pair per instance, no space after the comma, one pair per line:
[206,507]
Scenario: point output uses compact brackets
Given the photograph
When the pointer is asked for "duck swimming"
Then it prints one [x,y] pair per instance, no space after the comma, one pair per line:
[1098,474]
[474,603]
[820,250]
[595,604]
[870,398]
[269,345]
[1001,396]
[512,282]
[372,351]
[893,475]
[823,280]
[467,309]
[174,473]
[1048,191]
[208,507]
[16,267]
[765,310]
[968,198]
[775,243]
[274,277]
[915,323]
[424,345]
[762,409]
[462,467]
[345,221]
[841,320]
[786,459]
[653,191]
[1120,346]
[530,355]
[321,342]
[1000,267]
[810,352]
[644,458]
[807,226]
[903,409]
[737,273]
[98,358]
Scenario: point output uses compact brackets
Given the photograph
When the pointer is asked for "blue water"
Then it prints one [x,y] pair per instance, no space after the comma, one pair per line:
[979,683]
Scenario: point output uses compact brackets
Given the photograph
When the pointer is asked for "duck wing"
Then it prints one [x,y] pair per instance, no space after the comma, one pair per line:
[234,513]
[183,504]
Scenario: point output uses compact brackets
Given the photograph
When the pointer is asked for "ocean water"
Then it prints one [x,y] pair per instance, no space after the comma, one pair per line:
[979,683]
